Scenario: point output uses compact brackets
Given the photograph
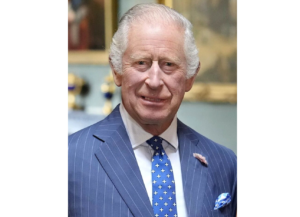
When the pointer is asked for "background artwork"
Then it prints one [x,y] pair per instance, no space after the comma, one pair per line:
[86,29]
[215,30]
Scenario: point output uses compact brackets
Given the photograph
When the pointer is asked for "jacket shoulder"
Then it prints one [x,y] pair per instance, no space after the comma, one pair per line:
[108,122]
[210,147]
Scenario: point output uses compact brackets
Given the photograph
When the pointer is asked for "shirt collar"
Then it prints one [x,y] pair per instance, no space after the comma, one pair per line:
[138,135]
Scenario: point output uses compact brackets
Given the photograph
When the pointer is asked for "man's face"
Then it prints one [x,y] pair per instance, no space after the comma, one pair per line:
[153,76]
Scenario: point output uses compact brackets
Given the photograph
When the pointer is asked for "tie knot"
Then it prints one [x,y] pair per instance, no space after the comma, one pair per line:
[156,143]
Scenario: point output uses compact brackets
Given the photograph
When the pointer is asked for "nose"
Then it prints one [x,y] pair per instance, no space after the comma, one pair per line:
[154,79]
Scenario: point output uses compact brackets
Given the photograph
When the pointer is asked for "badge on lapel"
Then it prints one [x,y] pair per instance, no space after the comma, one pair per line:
[201,158]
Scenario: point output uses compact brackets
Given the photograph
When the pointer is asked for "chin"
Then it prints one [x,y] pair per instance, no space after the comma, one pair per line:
[153,119]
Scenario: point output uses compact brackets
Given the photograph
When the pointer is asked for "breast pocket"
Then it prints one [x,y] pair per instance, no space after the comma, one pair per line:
[222,212]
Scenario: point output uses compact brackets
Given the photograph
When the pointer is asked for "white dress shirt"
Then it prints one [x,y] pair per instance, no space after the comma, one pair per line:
[143,153]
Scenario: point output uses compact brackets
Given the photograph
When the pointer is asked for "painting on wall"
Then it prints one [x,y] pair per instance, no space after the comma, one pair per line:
[90,28]
[215,31]
[86,25]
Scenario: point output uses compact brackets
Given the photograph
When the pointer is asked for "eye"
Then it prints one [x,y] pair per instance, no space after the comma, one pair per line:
[168,67]
[142,65]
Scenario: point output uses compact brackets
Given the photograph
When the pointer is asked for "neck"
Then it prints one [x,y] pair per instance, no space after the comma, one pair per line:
[156,129]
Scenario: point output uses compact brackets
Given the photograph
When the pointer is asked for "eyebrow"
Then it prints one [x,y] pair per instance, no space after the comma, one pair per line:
[147,56]
[172,59]
[140,56]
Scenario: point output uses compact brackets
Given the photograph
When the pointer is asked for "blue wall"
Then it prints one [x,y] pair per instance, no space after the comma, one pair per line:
[126,5]
[215,121]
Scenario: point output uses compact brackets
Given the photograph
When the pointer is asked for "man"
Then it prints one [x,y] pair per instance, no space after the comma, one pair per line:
[141,160]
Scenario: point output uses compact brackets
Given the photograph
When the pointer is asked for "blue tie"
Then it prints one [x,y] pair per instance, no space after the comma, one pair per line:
[163,183]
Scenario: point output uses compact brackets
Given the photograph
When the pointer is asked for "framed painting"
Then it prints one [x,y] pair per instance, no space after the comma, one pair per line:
[215,31]
[91,24]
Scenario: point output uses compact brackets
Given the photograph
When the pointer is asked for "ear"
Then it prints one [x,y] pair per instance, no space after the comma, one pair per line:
[116,75]
[190,81]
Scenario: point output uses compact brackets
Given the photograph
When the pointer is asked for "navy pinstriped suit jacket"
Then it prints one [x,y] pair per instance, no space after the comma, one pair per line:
[105,180]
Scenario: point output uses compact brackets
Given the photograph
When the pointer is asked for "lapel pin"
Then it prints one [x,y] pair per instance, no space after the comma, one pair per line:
[201,158]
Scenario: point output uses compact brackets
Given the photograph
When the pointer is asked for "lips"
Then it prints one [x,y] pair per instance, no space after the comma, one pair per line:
[152,99]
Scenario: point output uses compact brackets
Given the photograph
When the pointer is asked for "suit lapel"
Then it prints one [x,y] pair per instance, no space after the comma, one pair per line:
[194,173]
[117,158]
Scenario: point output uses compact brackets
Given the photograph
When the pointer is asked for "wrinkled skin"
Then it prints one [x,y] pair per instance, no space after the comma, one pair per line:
[153,75]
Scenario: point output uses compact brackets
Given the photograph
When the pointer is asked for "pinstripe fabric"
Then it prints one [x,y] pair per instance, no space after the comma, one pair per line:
[203,184]
[104,177]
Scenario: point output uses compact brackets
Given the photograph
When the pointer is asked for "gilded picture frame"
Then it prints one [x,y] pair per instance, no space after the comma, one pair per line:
[88,56]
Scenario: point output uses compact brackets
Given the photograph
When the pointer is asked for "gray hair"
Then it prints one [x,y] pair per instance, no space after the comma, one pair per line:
[148,12]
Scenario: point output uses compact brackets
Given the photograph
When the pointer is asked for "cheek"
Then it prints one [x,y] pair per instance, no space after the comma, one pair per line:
[176,85]
[132,81]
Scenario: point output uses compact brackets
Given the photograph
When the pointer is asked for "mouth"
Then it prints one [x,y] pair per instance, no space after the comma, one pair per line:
[152,99]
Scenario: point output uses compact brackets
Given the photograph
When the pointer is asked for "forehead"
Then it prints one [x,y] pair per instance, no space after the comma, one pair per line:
[156,37]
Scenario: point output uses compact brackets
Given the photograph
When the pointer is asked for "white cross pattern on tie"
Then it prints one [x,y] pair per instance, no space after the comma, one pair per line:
[163,184]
